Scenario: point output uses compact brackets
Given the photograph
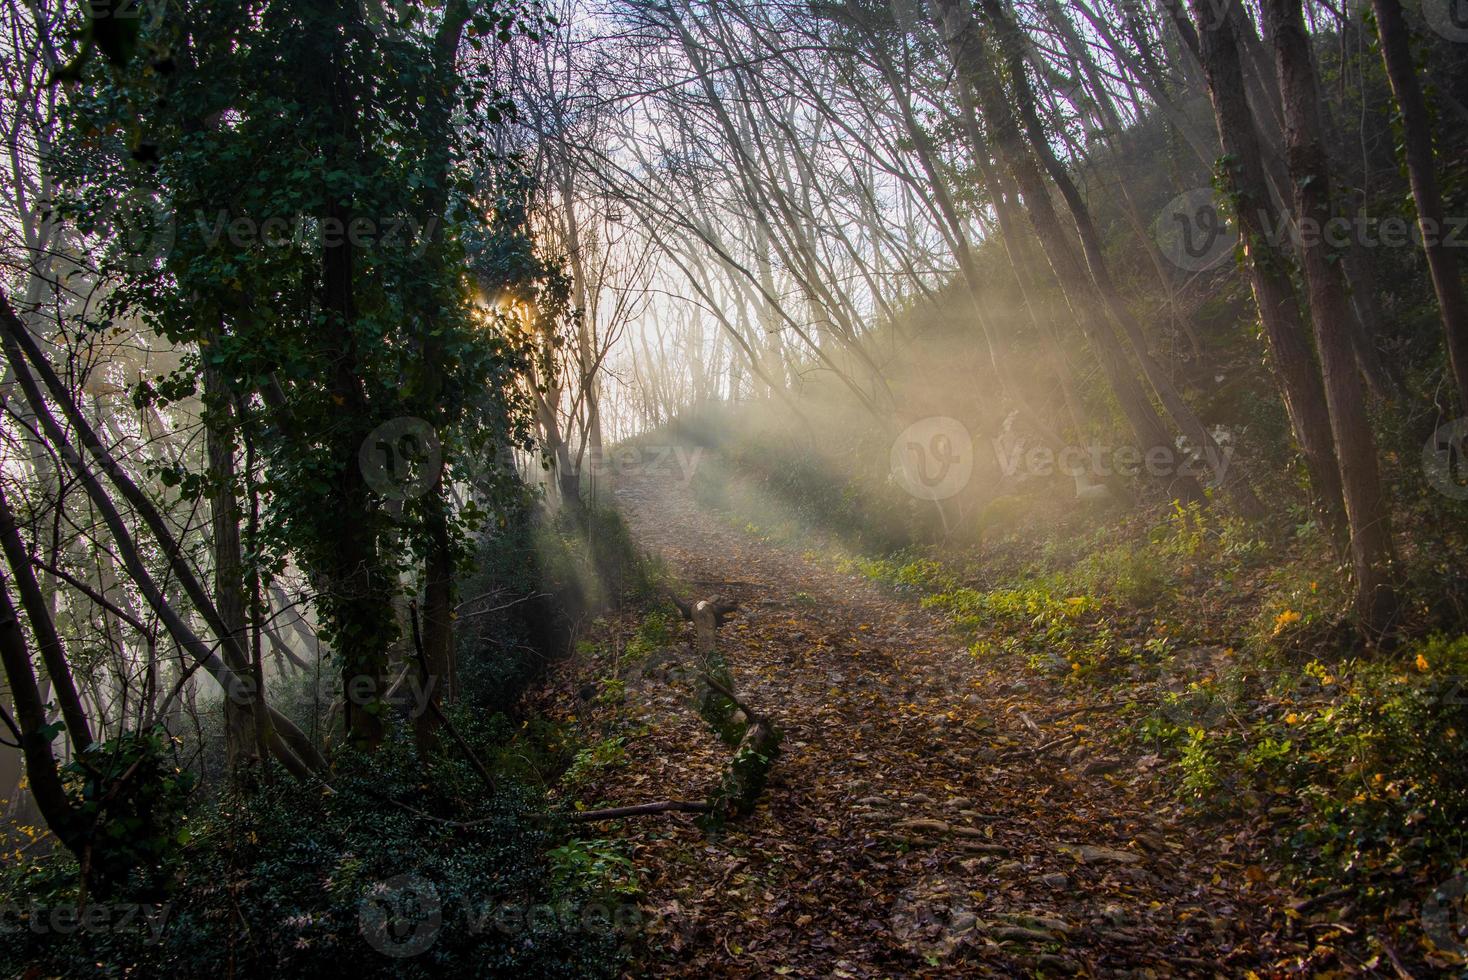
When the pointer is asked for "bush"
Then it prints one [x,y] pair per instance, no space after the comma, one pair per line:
[387,873]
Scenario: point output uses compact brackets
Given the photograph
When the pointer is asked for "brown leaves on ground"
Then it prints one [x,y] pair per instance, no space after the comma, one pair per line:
[931,814]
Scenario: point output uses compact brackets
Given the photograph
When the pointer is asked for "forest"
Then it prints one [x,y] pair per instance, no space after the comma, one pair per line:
[734,488]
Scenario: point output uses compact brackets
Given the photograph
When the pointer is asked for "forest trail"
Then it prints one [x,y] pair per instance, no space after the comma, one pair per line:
[915,824]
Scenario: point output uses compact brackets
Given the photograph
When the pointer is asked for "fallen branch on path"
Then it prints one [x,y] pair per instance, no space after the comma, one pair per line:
[757,739]
[1037,750]
[617,812]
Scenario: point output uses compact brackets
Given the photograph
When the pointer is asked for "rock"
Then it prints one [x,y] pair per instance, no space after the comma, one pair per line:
[1055,879]
[962,922]
[1057,963]
[1019,934]
[874,801]
[967,831]
[1097,766]
[1047,923]
[923,826]
[978,847]
[1088,854]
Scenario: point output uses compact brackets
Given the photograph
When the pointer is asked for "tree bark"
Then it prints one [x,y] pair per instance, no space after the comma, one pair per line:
[30,714]
[979,89]
[1372,553]
[1442,262]
[1243,496]
[1295,368]
[242,749]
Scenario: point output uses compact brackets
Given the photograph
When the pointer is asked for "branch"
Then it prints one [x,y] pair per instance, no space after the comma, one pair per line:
[666,806]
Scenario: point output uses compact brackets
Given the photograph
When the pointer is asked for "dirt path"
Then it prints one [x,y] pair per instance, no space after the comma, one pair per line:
[910,827]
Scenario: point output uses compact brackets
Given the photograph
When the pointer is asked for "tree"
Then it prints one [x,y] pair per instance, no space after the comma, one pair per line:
[1417,146]
[1372,551]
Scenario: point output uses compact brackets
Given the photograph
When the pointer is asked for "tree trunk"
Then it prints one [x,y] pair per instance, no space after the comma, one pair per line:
[1442,262]
[1245,501]
[43,627]
[30,714]
[286,741]
[977,83]
[1295,368]
[1372,554]
[241,746]
[438,624]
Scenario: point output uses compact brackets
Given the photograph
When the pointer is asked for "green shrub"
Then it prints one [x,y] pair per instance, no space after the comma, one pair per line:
[387,873]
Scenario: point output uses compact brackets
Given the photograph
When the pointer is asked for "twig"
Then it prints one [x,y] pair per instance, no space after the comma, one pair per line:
[1039,749]
[666,806]
[721,689]
[494,609]
[1402,972]
[1310,904]
[479,767]
[14,730]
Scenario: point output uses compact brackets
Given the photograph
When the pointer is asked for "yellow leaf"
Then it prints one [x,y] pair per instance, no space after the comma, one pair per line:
[1284,619]
[1421,663]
